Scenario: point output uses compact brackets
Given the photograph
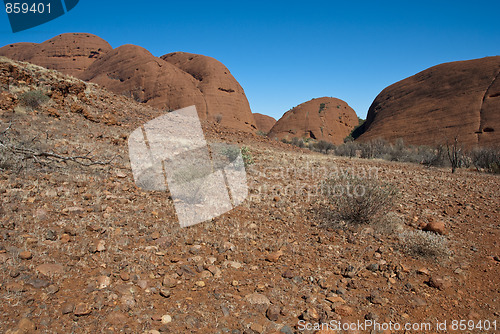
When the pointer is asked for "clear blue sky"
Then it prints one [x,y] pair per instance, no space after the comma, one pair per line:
[284,53]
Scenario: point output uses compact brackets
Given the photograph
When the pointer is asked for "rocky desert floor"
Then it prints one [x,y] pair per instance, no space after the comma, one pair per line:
[83,250]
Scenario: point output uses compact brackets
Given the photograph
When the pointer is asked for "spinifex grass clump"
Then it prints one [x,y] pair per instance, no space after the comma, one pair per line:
[33,99]
[359,200]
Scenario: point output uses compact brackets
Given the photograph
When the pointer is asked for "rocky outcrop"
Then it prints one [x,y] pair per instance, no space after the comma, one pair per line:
[70,53]
[176,81]
[133,71]
[226,102]
[432,107]
[324,118]
[264,123]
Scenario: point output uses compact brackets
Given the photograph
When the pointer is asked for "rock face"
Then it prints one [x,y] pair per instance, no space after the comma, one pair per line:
[324,118]
[264,123]
[176,81]
[225,100]
[452,99]
[68,53]
[133,71]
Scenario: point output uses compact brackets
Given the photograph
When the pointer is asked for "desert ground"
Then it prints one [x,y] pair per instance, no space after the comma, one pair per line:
[84,250]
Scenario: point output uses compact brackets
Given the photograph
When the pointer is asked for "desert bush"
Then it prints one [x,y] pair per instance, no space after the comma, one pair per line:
[359,200]
[261,133]
[347,149]
[455,154]
[247,156]
[486,158]
[389,223]
[323,146]
[299,142]
[33,99]
[218,118]
[423,244]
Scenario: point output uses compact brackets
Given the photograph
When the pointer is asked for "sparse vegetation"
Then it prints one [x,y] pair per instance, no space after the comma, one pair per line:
[423,244]
[486,158]
[322,107]
[33,99]
[247,156]
[359,200]
[218,118]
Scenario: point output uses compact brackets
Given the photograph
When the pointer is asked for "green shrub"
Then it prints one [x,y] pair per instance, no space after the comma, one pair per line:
[33,99]
[247,156]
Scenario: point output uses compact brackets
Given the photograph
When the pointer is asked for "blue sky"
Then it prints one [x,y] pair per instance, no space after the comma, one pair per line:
[284,53]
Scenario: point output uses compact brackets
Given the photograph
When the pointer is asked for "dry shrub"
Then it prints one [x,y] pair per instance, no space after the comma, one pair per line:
[423,244]
[33,99]
[359,200]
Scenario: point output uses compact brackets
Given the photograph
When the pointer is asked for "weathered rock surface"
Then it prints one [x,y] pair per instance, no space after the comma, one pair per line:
[225,100]
[69,53]
[264,123]
[453,99]
[324,118]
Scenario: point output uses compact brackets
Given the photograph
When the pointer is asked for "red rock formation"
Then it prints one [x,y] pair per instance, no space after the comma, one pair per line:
[68,53]
[452,99]
[133,71]
[181,80]
[264,123]
[324,118]
[226,101]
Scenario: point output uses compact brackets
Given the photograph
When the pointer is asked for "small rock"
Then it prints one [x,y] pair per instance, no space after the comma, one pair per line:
[117,318]
[82,309]
[310,314]
[200,284]
[274,257]
[436,227]
[165,319]
[169,281]
[423,271]
[103,282]
[165,292]
[125,276]
[437,283]
[344,310]
[67,308]
[15,287]
[286,330]
[50,269]
[51,235]
[25,255]
[26,326]
[373,267]
[52,289]
[143,284]
[128,302]
[65,238]
[100,245]
[335,299]
[376,299]
[257,327]
[287,274]
[273,312]
[38,283]
[257,298]
[195,249]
